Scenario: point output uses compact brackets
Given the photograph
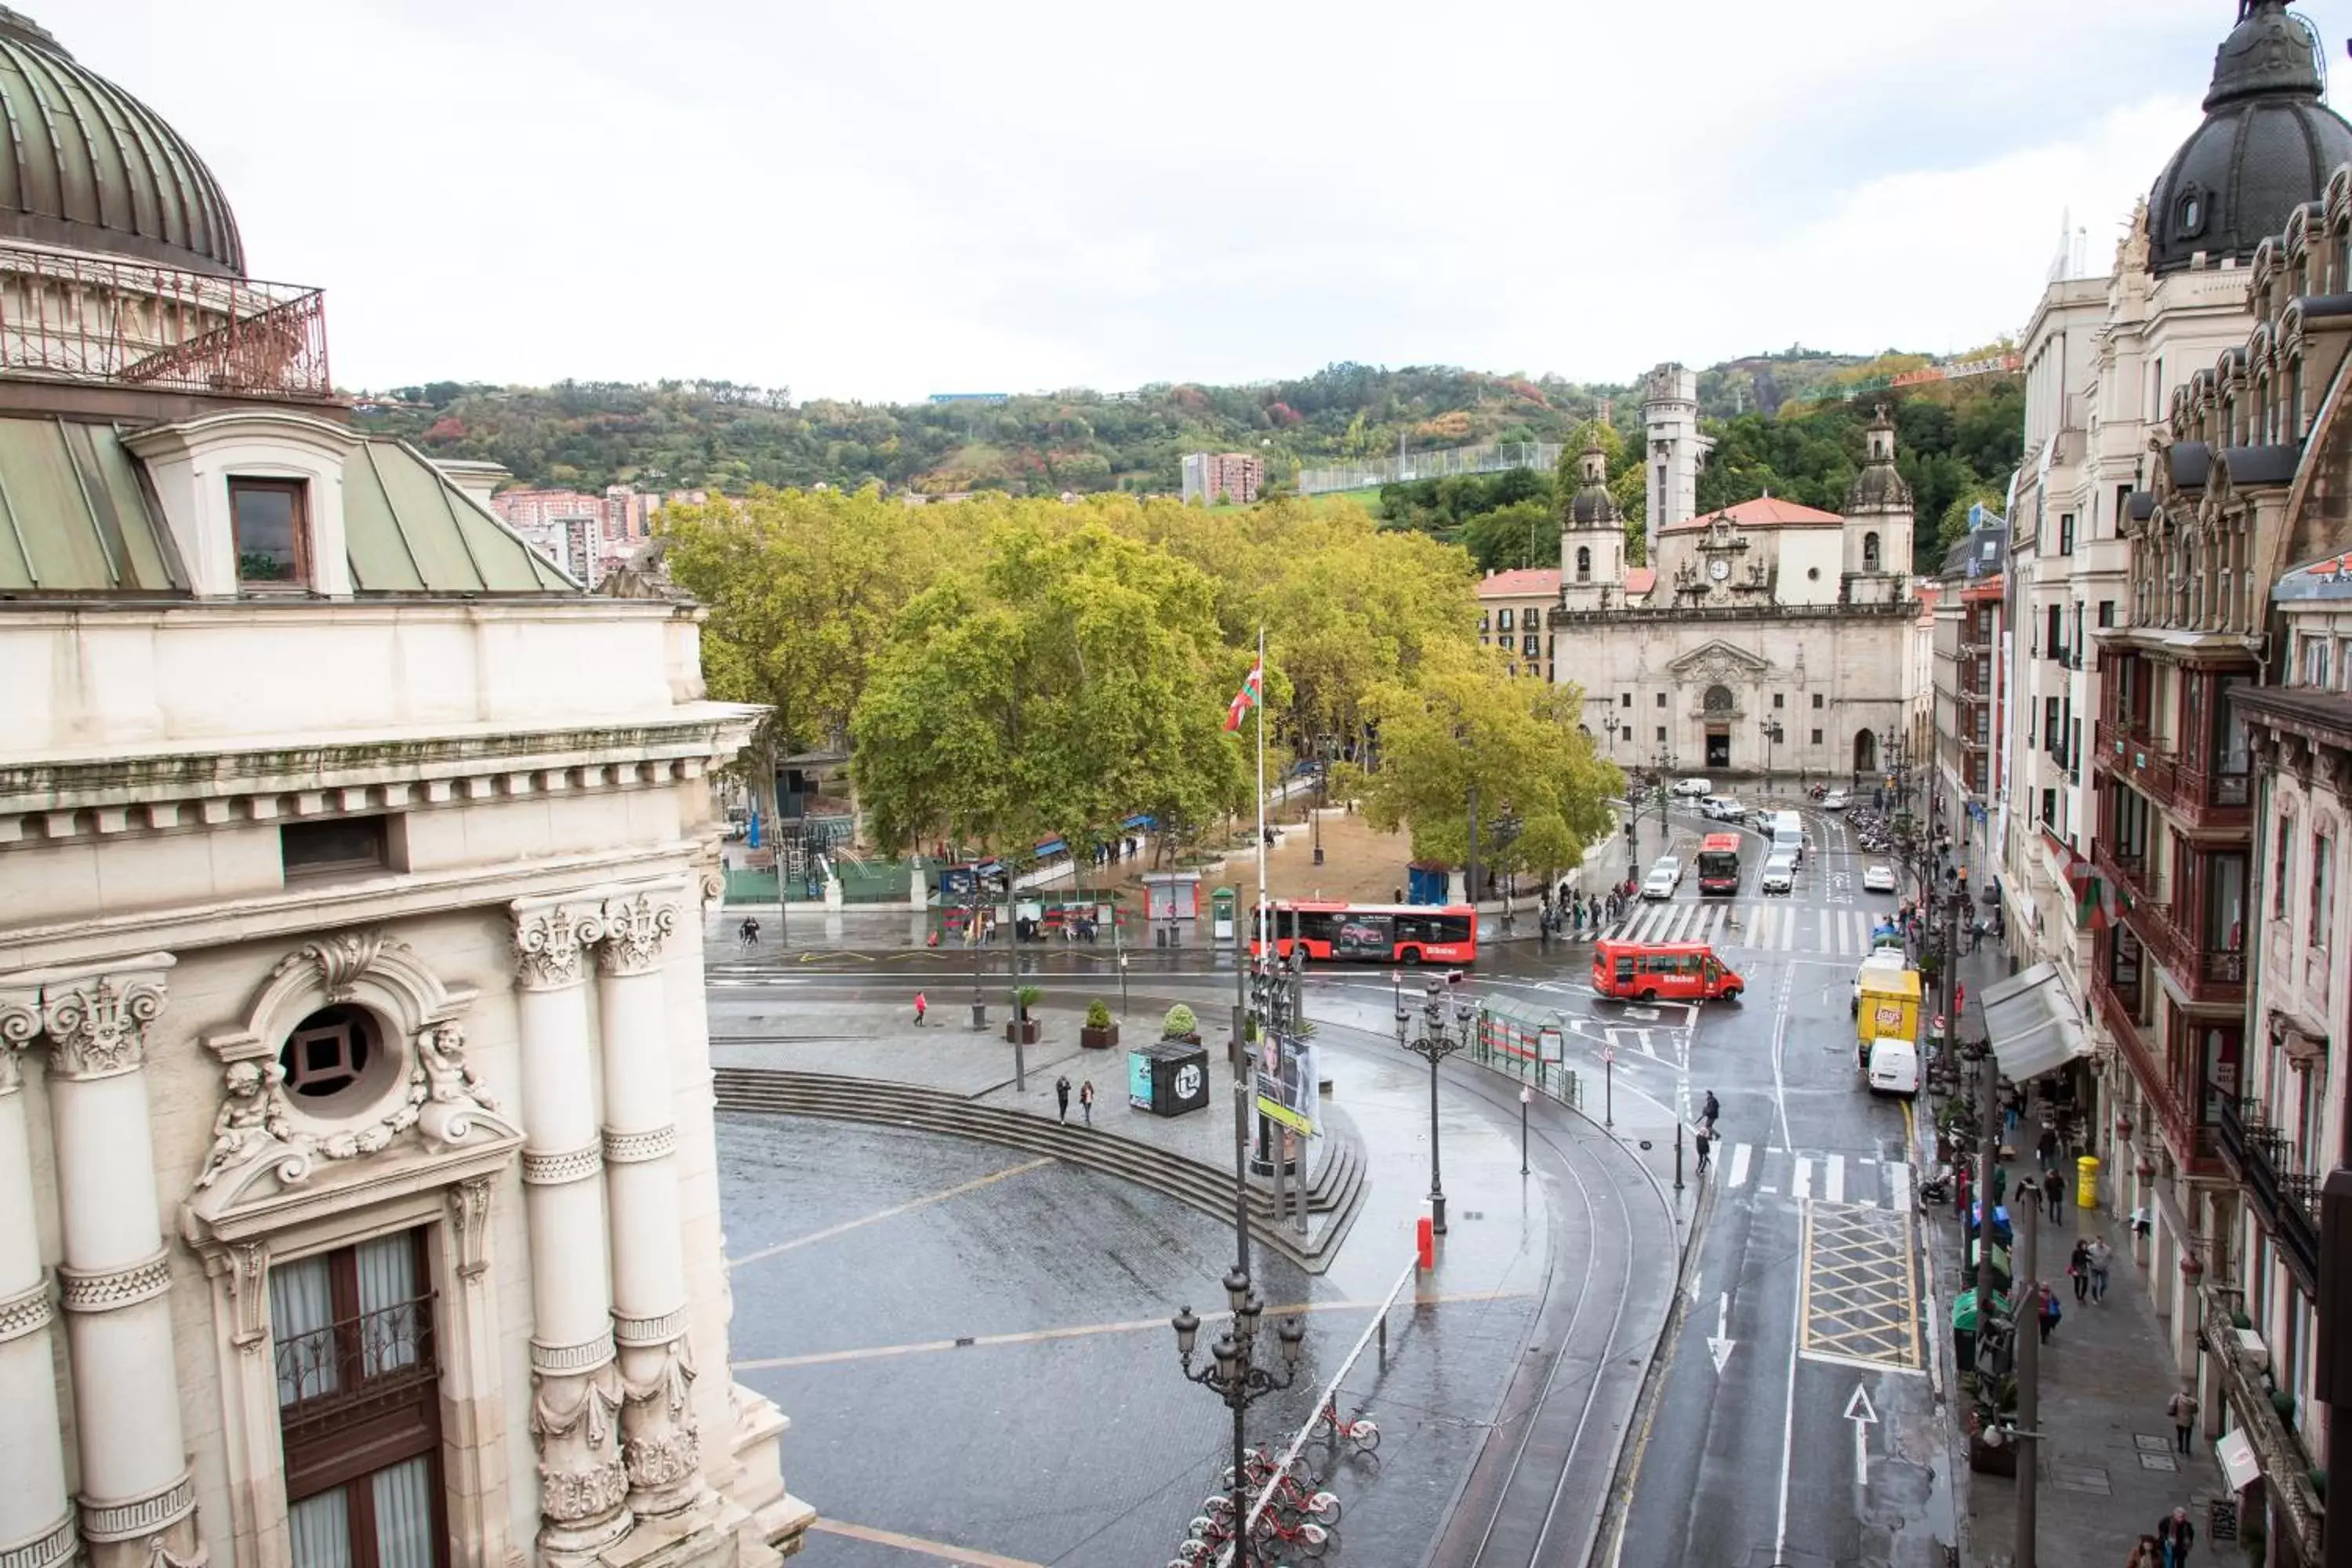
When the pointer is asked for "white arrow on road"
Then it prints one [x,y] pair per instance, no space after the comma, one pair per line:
[1719,1343]
[1858,1411]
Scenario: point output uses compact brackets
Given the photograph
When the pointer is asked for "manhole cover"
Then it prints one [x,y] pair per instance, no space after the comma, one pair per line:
[2148,1444]
[2157,1462]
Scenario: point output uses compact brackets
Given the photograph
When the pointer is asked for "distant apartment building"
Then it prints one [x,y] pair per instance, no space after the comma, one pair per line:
[1213,477]
[1511,606]
[623,514]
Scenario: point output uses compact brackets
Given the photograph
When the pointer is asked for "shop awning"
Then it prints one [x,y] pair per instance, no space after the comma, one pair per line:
[2031,1023]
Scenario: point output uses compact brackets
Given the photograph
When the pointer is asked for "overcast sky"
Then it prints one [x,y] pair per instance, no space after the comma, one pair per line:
[884,200]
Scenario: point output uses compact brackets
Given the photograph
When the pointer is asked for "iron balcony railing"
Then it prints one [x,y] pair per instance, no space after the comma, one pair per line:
[2286,1199]
[2277,1448]
[357,1366]
[138,323]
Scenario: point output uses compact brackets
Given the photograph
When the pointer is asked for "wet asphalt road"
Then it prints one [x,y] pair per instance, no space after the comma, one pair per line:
[1792,1418]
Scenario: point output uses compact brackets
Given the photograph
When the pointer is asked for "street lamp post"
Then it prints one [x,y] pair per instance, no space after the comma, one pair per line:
[1771,730]
[1236,1378]
[1322,789]
[1526,1094]
[1444,1028]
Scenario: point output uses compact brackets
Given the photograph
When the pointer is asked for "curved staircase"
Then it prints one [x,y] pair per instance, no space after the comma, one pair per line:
[1334,1195]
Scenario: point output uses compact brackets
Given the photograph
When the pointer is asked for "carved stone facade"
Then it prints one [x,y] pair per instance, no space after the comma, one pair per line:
[354,1097]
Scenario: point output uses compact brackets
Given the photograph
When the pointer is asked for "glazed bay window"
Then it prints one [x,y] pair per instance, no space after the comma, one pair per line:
[358,1405]
[271,524]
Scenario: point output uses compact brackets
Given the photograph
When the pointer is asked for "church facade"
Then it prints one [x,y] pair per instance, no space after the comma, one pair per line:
[1763,640]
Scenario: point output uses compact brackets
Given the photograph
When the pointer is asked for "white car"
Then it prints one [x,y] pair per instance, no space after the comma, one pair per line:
[1660,884]
[1878,878]
[1722,808]
[1834,801]
[1693,788]
[1779,874]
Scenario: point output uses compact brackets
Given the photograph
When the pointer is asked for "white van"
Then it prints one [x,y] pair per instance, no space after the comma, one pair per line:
[1789,839]
[1894,1068]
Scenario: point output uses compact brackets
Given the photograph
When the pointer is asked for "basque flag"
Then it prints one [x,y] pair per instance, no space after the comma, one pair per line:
[1252,693]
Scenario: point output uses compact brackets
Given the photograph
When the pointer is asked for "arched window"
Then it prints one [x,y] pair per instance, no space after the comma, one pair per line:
[1718,700]
[1583,563]
[1870,552]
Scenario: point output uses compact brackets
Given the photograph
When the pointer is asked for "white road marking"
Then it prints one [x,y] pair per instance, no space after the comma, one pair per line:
[1789,1422]
[1904,1197]
[1802,1186]
[1858,1411]
[1837,1179]
[1739,1164]
[1719,1345]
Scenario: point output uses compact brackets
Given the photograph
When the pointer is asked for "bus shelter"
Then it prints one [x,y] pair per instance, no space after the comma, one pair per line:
[1529,1043]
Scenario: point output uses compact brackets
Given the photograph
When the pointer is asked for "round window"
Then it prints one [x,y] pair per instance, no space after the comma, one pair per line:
[1812,573]
[334,1060]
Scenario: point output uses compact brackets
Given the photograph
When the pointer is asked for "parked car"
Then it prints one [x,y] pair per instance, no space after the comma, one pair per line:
[1878,878]
[1778,875]
[1694,787]
[1834,801]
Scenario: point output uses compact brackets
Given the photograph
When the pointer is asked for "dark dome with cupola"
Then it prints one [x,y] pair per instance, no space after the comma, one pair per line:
[89,167]
[2266,147]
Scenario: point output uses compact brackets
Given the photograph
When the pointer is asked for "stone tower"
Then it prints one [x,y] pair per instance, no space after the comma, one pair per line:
[1878,521]
[1591,538]
[1669,412]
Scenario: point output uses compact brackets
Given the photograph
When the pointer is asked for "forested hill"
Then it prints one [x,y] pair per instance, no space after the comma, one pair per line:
[695,434]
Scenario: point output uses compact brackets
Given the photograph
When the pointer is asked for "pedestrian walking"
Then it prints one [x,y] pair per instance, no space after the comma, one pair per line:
[1062,1095]
[2145,1554]
[2050,1312]
[1710,1110]
[2078,1269]
[2046,1147]
[921,1003]
[1704,1140]
[2101,1258]
[2182,1408]
[2174,1536]
[2055,1191]
[1086,1101]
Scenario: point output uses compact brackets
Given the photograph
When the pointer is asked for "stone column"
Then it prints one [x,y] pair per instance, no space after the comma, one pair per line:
[575,1398]
[37,1519]
[138,1501]
[659,1431]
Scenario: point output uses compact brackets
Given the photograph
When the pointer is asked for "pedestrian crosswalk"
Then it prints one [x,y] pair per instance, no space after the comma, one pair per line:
[1854,1180]
[1771,925]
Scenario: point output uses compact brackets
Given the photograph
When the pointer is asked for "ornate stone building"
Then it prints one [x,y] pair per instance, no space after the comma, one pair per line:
[358,1194]
[1766,637]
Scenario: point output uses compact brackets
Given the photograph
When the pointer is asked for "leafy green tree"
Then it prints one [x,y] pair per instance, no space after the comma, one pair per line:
[1073,677]
[1466,722]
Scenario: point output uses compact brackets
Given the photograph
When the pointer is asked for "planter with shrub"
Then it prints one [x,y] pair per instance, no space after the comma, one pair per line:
[1024,1021]
[1098,1033]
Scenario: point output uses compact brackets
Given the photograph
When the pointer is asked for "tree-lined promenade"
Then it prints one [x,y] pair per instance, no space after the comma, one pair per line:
[1012,670]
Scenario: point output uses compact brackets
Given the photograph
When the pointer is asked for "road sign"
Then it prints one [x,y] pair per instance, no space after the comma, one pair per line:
[1608,1055]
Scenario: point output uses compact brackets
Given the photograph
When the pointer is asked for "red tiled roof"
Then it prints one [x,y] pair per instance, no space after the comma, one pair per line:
[1640,580]
[1521,584]
[1764,512]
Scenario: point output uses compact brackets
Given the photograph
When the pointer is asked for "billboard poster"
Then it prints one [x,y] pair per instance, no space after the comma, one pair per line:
[1287,1082]
[1138,1080]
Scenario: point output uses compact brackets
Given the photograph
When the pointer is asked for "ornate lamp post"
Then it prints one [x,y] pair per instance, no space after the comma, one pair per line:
[1664,763]
[1771,730]
[1235,1376]
[1444,1027]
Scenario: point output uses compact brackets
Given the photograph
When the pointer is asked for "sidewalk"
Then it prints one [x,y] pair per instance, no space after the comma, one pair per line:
[2109,1468]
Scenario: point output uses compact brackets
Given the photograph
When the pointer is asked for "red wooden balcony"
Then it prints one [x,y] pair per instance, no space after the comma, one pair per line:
[2195,1146]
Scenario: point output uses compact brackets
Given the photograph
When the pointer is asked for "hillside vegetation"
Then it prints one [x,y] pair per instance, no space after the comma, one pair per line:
[696,434]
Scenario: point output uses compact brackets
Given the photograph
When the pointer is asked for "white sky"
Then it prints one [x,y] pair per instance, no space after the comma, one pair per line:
[883,200]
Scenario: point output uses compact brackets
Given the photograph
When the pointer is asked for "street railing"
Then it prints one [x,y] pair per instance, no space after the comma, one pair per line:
[1330,1392]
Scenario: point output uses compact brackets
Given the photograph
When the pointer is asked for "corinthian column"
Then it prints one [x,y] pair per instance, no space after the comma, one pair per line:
[137,1498]
[575,1394]
[658,1433]
[37,1522]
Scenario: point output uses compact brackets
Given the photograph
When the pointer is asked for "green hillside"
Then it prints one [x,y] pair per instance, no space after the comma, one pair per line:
[692,433]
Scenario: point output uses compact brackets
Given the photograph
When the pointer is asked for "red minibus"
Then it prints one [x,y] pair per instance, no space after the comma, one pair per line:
[1718,864]
[1663,972]
[1377,933]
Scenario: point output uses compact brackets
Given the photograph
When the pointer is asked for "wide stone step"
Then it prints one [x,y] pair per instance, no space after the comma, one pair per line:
[1336,1191]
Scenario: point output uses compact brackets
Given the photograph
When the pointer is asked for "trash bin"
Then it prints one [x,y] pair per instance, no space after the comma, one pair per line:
[2087,1181]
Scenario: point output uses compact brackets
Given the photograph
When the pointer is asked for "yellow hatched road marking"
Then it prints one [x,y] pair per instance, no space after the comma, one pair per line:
[1861,1298]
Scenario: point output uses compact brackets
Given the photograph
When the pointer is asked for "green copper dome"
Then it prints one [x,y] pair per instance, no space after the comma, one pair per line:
[89,167]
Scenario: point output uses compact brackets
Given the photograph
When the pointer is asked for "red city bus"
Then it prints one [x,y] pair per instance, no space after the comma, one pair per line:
[1377,933]
[1663,972]
[1718,864]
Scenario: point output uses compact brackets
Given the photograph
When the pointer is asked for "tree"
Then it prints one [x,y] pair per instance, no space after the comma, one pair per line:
[1073,677]
[1465,722]
[799,589]
[1954,525]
